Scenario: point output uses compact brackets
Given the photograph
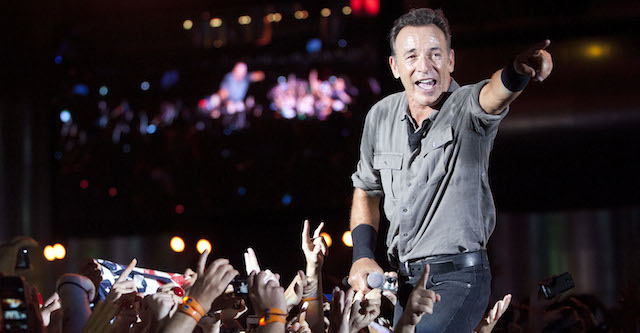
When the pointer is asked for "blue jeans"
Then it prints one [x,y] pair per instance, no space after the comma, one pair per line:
[464,298]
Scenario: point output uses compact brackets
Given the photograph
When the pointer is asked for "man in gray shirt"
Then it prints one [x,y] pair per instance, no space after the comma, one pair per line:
[426,152]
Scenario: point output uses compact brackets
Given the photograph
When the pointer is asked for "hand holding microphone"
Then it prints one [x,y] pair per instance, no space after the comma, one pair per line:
[365,275]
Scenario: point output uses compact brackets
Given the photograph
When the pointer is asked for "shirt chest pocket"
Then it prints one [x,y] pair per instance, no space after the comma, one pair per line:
[437,153]
[389,166]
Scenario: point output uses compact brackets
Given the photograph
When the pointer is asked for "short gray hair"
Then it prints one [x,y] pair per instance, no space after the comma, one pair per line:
[419,17]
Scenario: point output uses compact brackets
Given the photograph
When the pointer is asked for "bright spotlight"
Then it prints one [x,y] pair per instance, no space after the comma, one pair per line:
[202,245]
[49,253]
[277,17]
[145,85]
[346,10]
[187,24]
[65,116]
[244,20]
[59,251]
[346,239]
[177,244]
[327,238]
[325,12]
[215,22]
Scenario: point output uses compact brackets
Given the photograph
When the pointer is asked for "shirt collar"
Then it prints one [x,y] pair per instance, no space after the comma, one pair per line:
[452,87]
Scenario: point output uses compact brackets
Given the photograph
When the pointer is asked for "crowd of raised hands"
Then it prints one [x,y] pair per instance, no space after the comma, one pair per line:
[210,301]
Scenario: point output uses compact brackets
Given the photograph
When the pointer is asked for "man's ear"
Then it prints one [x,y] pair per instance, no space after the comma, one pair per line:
[394,67]
[452,60]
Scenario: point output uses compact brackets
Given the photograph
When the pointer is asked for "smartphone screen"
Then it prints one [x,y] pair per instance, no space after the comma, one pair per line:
[14,305]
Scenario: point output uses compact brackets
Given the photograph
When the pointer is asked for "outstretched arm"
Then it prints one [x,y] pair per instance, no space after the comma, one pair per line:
[507,83]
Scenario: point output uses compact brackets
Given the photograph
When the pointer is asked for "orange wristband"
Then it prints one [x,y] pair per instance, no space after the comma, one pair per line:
[309,299]
[274,311]
[186,309]
[190,301]
[268,319]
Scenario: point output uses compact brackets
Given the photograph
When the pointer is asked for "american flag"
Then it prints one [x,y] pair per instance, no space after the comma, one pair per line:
[147,280]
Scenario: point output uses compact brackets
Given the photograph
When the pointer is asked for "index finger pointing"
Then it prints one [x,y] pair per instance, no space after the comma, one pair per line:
[202,261]
[305,232]
[123,276]
[424,277]
[535,48]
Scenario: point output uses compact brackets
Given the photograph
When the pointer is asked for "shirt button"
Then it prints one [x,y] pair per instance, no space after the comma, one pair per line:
[408,184]
[433,144]
[404,210]
[405,234]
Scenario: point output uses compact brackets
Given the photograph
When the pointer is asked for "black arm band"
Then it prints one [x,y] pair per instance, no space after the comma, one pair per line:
[512,80]
[364,239]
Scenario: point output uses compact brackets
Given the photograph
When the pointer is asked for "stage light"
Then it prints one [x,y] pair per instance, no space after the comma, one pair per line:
[342,43]
[298,15]
[346,239]
[325,12]
[177,244]
[145,85]
[59,251]
[305,14]
[179,209]
[215,22]
[58,60]
[242,190]
[151,129]
[81,89]
[49,253]
[84,184]
[103,91]
[244,20]
[346,10]
[270,17]
[113,191]
[65,116]
[202,245]
[277,17]
[187,24]
[597,50]
[286,199]
[327,238]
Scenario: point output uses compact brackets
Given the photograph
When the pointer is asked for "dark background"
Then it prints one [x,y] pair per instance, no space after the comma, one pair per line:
[563,168]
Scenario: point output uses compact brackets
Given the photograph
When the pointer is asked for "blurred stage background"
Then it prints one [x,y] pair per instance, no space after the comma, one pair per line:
[110,144]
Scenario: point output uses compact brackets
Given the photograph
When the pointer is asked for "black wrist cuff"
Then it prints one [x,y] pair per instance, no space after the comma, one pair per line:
[512,80]
[364,239]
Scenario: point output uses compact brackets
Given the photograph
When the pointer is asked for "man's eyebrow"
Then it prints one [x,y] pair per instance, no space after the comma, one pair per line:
[410,51]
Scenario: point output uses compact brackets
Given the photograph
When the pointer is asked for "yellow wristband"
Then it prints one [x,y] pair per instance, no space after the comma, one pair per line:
[186,309]
[193,304]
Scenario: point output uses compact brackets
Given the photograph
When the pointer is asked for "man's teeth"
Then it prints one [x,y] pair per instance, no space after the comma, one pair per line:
[428,83]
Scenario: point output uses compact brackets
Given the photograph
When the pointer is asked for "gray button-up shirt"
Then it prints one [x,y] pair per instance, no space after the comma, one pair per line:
[437,197]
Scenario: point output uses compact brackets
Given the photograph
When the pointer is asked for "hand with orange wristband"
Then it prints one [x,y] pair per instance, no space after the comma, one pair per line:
[268,301]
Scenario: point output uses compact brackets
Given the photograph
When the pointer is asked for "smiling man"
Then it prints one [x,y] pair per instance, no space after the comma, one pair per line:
[426,152]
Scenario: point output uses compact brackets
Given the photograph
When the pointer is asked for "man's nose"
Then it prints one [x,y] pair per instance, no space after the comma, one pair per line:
[424,64]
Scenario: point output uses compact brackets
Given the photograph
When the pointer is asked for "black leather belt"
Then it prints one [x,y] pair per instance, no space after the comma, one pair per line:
[445,264]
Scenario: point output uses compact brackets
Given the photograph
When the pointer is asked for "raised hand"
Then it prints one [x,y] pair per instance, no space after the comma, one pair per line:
[314,248]
[265,295]
[488,323]
[340,312]
[421,301]
[293,293]
[211,282]
[360,269]
[365,309]
[535,62]
[251,265]
[123,290]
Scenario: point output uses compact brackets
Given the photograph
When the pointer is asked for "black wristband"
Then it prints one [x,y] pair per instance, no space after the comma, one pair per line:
[364,239]
[513,80]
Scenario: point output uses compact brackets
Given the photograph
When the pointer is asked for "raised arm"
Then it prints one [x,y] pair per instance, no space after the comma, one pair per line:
[365,217]
[507,83]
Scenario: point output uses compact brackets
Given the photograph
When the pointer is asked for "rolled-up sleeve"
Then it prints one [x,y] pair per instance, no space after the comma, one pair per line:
[484,123]
[366,177]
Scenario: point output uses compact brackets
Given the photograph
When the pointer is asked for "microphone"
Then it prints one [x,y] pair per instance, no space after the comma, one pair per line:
[374,280]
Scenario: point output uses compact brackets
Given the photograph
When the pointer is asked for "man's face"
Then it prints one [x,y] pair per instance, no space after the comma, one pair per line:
[423,64]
